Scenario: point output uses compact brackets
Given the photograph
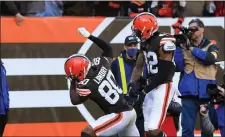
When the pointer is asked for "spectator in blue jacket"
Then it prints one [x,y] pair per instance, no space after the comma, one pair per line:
[4,100]
[196,62]
[53,8]
[122,68]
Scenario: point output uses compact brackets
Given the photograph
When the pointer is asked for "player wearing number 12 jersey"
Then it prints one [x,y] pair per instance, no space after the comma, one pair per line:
[157,51]
[94,80]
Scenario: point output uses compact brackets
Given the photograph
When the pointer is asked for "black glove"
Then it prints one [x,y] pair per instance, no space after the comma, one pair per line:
[131,87]
[138,106]
[175,109]
[132,95]
[182,41]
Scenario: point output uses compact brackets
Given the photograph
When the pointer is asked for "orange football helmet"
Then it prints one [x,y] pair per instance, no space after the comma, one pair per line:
[144,25]
[77,67]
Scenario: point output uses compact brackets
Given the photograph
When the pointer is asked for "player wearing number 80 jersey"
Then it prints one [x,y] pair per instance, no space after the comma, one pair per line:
[99,85]
[157,51]
[94,80]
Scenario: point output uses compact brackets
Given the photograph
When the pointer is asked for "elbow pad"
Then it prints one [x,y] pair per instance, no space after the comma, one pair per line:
[169,47]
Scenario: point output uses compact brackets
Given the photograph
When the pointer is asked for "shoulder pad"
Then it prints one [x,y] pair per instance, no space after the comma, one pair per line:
[169,46]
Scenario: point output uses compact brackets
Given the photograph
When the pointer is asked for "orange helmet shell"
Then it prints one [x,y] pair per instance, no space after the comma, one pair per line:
[77,66]
[144,25]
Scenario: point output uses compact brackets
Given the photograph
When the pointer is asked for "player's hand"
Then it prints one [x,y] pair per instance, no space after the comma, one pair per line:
[132,95]
[82,31]
[131,87]
[132,100]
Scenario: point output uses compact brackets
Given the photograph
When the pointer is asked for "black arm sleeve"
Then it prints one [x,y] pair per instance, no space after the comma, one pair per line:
[74,97]
[165,68]
[107,49]
[11,7]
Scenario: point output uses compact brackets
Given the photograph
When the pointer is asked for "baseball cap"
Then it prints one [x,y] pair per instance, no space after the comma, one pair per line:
[130,40]
[198,21]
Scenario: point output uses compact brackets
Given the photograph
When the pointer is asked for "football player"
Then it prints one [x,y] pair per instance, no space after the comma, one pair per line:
[94,80]
[157,51]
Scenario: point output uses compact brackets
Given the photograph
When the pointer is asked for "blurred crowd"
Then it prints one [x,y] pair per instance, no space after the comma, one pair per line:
[167,8]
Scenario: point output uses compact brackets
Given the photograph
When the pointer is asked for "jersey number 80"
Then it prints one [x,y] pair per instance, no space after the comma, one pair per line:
[109,90]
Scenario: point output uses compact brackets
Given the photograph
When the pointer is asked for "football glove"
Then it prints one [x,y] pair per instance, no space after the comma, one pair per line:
[132,95]
[82,31]
[182,41]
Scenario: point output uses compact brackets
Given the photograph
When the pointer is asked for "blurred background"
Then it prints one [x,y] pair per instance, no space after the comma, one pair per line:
[113,8]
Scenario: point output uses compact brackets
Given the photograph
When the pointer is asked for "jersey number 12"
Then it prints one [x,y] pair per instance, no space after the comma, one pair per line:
[151,61]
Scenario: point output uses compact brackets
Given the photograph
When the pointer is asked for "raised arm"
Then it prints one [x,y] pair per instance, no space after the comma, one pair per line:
[107,49]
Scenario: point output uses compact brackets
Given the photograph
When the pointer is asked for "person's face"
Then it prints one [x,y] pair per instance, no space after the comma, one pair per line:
[196,34]
[131,50]
[131,46]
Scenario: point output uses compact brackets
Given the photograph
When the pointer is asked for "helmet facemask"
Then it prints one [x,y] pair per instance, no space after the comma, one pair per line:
[140,35]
